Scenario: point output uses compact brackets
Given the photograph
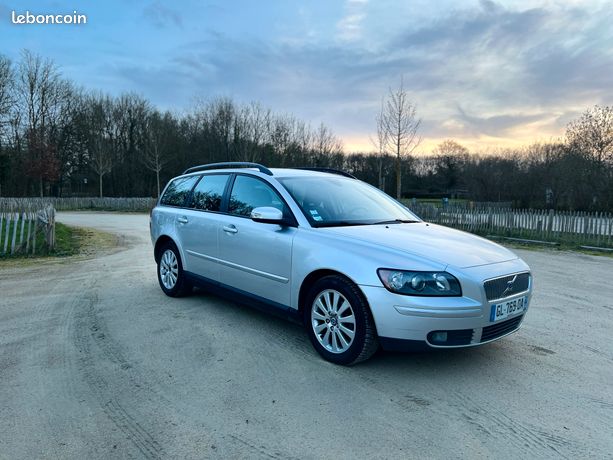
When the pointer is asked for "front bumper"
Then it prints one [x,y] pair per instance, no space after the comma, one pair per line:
[408,322]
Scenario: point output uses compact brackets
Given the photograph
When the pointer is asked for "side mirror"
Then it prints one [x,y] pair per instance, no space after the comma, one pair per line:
[267,215]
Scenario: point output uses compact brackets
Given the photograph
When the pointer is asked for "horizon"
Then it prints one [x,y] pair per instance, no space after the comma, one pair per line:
[489,75]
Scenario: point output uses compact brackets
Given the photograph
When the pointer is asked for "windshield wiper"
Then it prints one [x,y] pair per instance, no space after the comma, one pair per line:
[341,223]
[396,221]
[350,223]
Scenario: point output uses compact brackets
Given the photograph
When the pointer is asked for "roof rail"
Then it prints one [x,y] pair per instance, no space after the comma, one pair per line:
[229,164]
[328,170]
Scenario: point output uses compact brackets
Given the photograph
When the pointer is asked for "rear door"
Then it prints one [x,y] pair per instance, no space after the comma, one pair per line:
[255,258]
[172,210]
[198,226]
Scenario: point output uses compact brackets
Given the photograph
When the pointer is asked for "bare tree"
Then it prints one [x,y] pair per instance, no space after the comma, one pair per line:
[591,136]
[380,144]
[304,141]
[256,129]
[325,146]
[6,93]
[281,128]
[64,134]
[100,136]
[249,127]
[401,126]
[449,157]
[157,143]
[592,133]
[102,162]
[6,109]
[449,147]
[41,93]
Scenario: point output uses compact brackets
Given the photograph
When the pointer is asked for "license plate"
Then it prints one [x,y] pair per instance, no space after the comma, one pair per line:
[509,308]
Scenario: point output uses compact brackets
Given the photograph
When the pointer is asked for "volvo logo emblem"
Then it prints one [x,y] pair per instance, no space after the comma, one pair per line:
[509,288]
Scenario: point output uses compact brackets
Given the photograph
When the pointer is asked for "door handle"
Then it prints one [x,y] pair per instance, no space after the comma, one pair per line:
[230,229]
[182,220]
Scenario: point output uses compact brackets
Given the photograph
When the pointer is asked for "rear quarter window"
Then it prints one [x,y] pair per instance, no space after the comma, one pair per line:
[178,190]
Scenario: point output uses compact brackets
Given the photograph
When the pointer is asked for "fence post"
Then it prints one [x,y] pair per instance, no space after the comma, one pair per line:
[29,232]
[7,230]
[34,233]
[14,239]
[51,227]
[550,222]
[23,223]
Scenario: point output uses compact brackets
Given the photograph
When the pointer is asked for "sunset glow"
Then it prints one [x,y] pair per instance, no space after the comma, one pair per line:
[488,74]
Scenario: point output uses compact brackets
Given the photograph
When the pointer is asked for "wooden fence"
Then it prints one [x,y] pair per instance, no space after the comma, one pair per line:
[439,203]
[595,228]
[21,231]
[81,203]
[22,217]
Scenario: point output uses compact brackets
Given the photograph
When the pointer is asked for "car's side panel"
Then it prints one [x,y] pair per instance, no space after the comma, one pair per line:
[163,223]
[198,237]
[256,257]
[239,295]
[314,249]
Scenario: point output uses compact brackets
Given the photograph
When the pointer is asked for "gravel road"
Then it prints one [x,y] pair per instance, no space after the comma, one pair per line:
[97,363]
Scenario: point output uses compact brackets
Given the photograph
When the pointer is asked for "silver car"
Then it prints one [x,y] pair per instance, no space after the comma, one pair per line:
[355,266]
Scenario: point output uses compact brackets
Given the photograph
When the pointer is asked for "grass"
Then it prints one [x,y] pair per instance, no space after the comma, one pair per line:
[561,244]
[108,209]
[69,241]
[436,201]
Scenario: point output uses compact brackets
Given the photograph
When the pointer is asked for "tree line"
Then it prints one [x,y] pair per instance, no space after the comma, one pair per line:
[58,139]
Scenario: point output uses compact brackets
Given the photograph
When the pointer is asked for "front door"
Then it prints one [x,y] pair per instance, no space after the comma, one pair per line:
[255,258]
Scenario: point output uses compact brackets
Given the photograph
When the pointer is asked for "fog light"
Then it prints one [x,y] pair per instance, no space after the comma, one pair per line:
[439,337]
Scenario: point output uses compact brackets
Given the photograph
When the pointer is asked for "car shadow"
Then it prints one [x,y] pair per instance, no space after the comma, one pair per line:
[435,362]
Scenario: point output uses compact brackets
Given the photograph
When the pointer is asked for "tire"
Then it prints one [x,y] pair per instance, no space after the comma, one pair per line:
[339,322]
[170,272]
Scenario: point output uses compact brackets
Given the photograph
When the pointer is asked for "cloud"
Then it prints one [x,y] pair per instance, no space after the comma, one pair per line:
[483,71]
[162,16]
[349,28]
[497,125]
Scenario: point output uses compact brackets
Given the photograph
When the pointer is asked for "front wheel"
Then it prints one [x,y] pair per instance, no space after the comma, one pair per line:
[339,322]
[170,272]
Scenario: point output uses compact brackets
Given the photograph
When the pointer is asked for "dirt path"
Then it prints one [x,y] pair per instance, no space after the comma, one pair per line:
[96,362]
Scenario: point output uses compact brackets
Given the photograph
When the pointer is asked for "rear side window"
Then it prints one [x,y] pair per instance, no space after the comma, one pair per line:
[209,192]
[249,193]
[177,191]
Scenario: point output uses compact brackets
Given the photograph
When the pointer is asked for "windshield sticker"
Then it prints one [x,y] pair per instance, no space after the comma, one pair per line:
[315,215]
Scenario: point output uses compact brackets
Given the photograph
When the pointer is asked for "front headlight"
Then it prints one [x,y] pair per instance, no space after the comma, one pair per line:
[432,284]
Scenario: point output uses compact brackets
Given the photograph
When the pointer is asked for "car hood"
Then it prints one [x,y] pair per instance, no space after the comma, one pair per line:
[434,242]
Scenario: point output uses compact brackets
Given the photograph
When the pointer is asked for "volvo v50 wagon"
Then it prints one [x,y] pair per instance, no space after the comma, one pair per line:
[355,266]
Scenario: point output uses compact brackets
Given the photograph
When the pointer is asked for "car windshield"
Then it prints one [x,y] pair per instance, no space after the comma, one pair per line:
[341,201]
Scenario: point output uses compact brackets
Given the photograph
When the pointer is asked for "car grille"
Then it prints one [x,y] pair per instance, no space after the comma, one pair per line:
[497,330]
[500,288]
[460,337]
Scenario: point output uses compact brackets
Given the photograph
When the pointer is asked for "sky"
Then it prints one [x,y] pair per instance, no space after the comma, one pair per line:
[488,74]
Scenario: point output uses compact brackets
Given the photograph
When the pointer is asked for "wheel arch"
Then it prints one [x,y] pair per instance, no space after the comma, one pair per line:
[316,275]
[161,241]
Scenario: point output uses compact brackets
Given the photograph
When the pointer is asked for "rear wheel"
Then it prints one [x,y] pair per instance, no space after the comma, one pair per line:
[170,272]
[339,322]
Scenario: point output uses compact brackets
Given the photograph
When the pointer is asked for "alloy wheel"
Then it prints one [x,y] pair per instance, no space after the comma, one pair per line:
[333,321]
[169,269]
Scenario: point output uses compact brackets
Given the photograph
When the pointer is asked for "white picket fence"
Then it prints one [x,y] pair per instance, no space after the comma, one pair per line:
[19,230]
[548,225]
